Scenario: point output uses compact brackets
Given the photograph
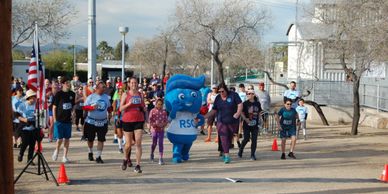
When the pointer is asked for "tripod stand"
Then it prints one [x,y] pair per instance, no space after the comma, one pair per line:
[43,167]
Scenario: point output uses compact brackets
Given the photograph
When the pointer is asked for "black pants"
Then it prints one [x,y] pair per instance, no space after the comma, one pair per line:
[250,133]
[79,115]
[28,140]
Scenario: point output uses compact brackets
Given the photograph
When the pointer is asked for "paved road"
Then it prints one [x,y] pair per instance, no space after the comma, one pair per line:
[330,161]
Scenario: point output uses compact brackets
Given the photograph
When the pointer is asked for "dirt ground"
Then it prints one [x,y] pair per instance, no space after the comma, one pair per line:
[329,161]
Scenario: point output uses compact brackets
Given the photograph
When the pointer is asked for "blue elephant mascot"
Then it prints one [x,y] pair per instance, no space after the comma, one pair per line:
[183,101]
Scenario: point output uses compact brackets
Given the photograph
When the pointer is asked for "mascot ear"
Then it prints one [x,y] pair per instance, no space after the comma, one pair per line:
[185,81]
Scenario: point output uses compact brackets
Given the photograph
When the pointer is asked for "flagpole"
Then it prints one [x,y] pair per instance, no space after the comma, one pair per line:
[36,47]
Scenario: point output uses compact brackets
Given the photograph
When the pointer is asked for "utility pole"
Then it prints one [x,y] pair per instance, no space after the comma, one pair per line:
[212,64]
[92,40]
[6,150]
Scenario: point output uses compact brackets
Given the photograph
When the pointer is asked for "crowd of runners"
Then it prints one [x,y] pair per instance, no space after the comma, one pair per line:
[135,107]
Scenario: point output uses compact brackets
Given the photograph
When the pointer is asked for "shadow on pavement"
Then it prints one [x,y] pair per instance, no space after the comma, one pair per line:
[345,191]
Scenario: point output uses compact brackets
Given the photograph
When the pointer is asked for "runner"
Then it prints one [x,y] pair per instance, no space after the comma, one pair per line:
[211,117]
[293,94]
[158,121]
[243,96]
[251,117]
[286,118]
[97,105]
[88,90]
[50,99]
[302,113]
[63,104]
[118,118]
[79,113]
[265,101]
[16,101]
[228,107]
[30,134]
[133,108]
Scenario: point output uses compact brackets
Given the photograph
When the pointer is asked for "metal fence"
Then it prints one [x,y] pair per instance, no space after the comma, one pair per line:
[341,93]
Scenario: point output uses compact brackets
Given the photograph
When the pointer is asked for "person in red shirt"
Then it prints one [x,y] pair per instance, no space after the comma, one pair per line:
[133,110]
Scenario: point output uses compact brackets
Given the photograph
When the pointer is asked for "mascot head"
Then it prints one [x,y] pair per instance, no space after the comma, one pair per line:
[182,93]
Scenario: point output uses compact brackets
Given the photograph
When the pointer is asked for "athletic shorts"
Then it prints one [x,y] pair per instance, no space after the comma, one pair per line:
[62,130]
[118,124]
[211,118]
[287,132]
[132,126]
[91,131]
[17,130]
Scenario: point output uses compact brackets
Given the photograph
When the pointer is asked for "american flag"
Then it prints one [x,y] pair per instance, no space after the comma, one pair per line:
[36,76]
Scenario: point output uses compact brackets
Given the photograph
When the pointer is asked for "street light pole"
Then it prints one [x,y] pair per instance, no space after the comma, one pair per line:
[123,31]
[212,64]
[74,59]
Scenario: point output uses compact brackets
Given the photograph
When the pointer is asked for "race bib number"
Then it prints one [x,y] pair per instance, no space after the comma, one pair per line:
[287,122]
[99,123]
[252,123]
[136,100]
[66,106]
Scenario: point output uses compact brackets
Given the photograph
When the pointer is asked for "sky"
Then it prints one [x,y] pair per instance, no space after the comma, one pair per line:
[145,18]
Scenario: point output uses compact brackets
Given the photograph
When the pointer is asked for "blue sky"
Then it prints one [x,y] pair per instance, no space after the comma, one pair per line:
[145,17]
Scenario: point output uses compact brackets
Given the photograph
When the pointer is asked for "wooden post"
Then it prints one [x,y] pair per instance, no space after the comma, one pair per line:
[6,150]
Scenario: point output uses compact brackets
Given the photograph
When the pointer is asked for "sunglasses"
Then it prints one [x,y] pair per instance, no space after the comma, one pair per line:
[222,91]
[288,104]
[251,94]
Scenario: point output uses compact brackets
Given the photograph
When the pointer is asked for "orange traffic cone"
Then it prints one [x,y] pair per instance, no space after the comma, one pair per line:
[62,177]
[384,175]
[275,145]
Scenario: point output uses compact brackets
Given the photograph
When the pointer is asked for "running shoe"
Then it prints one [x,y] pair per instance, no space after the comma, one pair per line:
[55,155]
[240,152]
[226,159]
[78,129]
[202,132]
[152,157]
[130,163]
[15,145]
[137,169]
[208,140]
[90,156]
[121,150]
[20,158]
[65,160]
[124,164]
[291,155]
[115,141]
[161,162]
[99,160]
[253,157]
[283,157]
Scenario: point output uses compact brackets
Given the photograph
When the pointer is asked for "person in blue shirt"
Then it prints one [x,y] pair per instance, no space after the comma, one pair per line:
[16,100]
[287,121]
[26,116]
[292,94]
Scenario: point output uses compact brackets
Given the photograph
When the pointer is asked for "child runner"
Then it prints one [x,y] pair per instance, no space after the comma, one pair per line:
[251,118]
[158,121]
[302,113]
[117,118]
[286,118]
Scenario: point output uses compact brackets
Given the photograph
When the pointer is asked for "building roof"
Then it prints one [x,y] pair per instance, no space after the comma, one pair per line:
[313,31]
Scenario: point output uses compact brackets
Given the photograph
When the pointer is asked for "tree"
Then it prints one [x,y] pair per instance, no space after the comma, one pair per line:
[18,55]
[59,60]
[359,40]
[118,50]
[106,51]
[52,17]
[226,23]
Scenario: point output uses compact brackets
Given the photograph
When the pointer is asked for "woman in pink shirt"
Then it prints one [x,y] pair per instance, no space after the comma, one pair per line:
[158,121]
[133,109]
